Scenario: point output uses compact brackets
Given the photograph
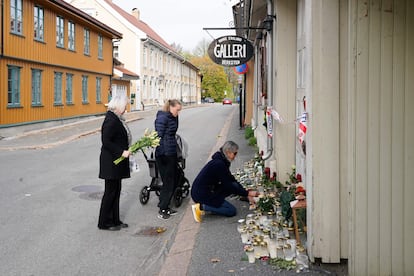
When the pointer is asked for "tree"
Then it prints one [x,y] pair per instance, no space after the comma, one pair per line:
[202,48]
[177,47]
[215,80]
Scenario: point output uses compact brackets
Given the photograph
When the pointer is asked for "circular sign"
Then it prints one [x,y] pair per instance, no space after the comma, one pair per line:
[241,69]
[230,50]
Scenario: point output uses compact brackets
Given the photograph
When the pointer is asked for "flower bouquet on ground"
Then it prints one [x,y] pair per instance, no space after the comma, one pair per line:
[149,140]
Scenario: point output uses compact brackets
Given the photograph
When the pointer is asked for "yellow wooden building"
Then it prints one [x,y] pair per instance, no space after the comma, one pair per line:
[55,62]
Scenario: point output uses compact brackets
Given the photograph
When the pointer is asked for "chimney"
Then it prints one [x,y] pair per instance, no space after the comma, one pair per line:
[135,13]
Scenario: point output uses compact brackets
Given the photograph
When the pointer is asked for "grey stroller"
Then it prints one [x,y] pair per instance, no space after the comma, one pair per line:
[183,185]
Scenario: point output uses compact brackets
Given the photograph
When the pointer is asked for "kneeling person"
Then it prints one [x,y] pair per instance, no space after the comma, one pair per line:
[215,182]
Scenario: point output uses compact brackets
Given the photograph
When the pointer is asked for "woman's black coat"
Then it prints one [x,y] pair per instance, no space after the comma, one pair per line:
[114,141]
[215,182]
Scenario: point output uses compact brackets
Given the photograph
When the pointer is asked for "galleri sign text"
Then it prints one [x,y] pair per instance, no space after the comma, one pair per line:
[230,50]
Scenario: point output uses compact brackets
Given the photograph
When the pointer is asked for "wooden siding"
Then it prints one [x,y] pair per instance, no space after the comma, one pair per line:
[381,128]
[27,53]
[322,156]
[48,110]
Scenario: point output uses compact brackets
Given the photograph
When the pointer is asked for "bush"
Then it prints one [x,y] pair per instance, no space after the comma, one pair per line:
[252,141]
[248,132]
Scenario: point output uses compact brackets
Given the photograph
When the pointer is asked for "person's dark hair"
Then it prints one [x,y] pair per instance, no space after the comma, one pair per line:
[230,146]
[171,102]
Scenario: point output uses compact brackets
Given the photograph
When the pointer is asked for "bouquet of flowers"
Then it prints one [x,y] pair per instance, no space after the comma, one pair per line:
[149,140]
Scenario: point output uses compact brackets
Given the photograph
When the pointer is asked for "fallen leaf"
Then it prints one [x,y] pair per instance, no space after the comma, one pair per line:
[215,260]
[161,229]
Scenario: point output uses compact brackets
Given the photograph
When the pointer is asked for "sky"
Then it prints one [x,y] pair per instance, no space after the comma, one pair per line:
[182,21]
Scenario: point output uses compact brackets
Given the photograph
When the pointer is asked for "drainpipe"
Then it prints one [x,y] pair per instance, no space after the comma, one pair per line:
[268,23]
[256,80]
[2,29]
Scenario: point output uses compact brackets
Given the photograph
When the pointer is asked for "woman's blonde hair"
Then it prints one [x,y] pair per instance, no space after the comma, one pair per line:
[118,102]
[169,103]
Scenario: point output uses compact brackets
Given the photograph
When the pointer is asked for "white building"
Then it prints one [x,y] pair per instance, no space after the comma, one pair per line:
[163,73]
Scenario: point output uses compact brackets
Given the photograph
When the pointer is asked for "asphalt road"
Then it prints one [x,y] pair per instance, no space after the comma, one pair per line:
[50,201]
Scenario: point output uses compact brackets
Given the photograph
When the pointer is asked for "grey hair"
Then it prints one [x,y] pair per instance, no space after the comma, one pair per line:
[230,146]
[118,102]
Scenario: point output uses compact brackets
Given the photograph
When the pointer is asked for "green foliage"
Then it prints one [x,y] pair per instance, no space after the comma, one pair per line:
[292,176]
[271,183]
[252,141]
[285,198]
[265,204]
[282,263]
[248,132]
[215,80]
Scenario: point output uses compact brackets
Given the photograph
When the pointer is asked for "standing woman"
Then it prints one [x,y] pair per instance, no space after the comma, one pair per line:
[116,138]
[166,124]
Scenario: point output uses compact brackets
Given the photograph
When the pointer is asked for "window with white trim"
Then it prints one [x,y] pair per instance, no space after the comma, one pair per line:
[57,88]
[13,86]
[84,89]
[71,36]
[60,32]
[38,23]
[86,41]
[16,16]
[36,87]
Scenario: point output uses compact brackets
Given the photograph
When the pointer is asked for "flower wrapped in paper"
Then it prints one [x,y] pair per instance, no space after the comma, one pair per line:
[149,140]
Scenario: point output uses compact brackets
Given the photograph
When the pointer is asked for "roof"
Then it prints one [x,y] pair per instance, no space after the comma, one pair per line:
[140,25]
[63,5]
[124,73]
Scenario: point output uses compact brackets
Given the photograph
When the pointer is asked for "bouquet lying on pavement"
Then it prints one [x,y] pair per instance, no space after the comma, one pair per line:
[149,140]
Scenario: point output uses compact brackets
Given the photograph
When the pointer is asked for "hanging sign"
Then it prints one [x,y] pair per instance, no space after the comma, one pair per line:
[241,69]
[230,50]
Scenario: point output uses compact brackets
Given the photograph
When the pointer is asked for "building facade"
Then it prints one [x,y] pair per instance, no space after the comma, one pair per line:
[335,77]
[163,72]
[55,62]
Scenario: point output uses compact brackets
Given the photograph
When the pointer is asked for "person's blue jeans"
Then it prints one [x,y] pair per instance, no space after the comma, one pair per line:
[226,209]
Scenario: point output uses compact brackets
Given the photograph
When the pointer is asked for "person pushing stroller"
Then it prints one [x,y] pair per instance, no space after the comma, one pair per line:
[166,124]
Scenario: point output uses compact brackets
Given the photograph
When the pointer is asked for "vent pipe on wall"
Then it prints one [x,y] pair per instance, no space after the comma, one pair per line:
[268,24]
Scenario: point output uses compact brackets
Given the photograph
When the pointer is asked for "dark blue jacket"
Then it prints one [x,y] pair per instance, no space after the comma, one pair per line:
[215,182]
[166,125]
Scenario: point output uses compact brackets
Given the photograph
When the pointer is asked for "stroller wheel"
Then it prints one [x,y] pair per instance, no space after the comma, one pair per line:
[177,197]
[157,192]
[144,195]
[185,189]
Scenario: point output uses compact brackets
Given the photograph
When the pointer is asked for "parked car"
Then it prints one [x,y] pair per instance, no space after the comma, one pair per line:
[208,100]
[227,101]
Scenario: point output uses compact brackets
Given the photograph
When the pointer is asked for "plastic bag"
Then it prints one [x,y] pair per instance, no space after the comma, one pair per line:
[133,164]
